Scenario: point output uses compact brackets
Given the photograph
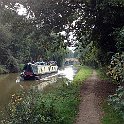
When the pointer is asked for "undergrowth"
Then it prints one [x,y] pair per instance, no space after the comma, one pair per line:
[3,70]
[58,106]
[114,106]
[111,116]
[102,74]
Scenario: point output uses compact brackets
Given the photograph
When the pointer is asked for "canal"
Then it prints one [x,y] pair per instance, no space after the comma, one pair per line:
[9,84]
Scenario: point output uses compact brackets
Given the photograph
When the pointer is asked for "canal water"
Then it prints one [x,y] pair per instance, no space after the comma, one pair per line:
[9,84]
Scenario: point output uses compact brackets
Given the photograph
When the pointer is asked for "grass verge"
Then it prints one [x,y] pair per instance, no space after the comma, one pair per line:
[82,75]
[67,96]
[58,106]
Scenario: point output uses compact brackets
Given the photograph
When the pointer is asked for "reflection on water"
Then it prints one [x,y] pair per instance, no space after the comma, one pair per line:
[9,85]
[68,72]
[38,84]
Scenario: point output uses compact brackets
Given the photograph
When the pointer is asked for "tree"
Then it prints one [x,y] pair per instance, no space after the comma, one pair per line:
[30,40]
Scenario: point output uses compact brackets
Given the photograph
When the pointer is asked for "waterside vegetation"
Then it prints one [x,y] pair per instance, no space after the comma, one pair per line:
[58,106]
[3,70]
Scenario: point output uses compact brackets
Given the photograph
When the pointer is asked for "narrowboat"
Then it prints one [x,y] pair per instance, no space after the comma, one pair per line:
[32,71]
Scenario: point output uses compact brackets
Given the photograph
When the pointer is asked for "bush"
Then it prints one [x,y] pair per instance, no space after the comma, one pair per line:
[21,66]
[32,108]
[117,101]
[58,106]
[111,116]
[116,68]
[3,70]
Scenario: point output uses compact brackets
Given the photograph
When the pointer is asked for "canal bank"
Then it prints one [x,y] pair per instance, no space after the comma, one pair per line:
[3,70]
[60,101]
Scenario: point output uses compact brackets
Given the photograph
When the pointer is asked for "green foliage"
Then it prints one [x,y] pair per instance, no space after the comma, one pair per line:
[56,107]
[120,39]
[114,110]
[117,101]
[116,68]
[67,102]
[3,70]
[25,39]
[88,55]
[32,108]
[35,38]
[111,116]
[98,22]
[69,54]
[21,66]
[92,22]
[102,73]
[38,35]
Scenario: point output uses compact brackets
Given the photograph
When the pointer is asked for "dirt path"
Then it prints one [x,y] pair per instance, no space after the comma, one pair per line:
[93,92]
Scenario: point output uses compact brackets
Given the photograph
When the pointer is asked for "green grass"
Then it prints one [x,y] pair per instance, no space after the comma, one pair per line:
[67,97]
[82,75]
[111,116]
[66,102]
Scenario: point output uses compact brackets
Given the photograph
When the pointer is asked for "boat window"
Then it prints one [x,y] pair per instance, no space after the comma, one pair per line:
[41,63]
[35,69]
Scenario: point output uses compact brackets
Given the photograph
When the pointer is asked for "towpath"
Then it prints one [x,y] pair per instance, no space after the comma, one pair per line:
[92,95]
